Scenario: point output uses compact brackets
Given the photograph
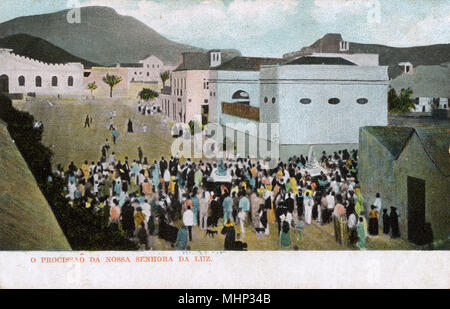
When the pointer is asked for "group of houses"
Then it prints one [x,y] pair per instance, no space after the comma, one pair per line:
[20,76]
[326,98]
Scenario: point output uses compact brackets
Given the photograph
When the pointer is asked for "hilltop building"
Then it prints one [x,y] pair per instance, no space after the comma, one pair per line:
[410,167]
[22,75]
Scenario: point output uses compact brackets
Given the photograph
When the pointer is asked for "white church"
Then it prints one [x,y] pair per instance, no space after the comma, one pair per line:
[22,75]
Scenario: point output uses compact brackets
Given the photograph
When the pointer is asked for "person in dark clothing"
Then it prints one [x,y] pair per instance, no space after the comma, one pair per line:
[386,222]
[373,221]
[128,219]
[130,126]
[142,235]
[87,122]
[216,212]
[395,231]
[140,154]
[230,235]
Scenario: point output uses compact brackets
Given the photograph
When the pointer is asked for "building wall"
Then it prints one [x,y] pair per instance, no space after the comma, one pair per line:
[15,66]
[225,84]
[375,170]
[97,74]
[320,122]
[195,94]
[415,162]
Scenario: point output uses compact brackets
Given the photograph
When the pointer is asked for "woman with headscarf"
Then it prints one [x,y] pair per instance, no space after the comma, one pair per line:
[182,239]
[285,238]
[155,176]
[361,244]
[230,234]
[359,203]
[395,231]
[373,221]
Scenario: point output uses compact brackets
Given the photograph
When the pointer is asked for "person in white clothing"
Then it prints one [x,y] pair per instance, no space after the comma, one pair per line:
[188,220]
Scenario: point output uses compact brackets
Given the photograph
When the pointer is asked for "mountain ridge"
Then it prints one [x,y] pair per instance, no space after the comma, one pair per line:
[103,36]
[39,49]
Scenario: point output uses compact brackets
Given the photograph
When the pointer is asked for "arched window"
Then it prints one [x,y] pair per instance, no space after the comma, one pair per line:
[334,101]
[70,81]
[21,81]
[266,100]
[54,81]
[38,81]
[273,100]
[305,101]
[240,94]
[362,101]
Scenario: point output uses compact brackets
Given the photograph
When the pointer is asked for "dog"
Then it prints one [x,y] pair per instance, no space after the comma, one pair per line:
[210,233]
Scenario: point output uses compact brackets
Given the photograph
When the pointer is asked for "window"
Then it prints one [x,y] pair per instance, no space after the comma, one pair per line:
[70,81]
[305,101]
[363,101]
[334,101]
[240,94]
[54,81]
[21,81]
[273,100]
[266,100]
[38,81]
[153,66]
[205,101]
[343,46]
[148,73]
[148,65]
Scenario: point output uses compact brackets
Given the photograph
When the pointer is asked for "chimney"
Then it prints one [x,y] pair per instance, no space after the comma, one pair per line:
[215,58]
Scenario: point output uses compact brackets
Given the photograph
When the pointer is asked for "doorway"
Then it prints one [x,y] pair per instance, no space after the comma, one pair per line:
[416,211]
[205,114]
[4,84]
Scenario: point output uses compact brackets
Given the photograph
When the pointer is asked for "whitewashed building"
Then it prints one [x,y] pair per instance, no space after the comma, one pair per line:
[22,75]
[322,101]
[315,101]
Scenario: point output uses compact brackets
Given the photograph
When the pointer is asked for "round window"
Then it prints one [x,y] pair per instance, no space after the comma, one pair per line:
[334,101]
[362,101]
[305,101]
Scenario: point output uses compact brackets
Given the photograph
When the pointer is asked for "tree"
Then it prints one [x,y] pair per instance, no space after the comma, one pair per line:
[164,77]
[147,94]
[92,87]
[112,80]
[402,103]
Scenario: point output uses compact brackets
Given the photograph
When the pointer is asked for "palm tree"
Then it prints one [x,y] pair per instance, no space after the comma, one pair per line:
[164,77]
[112,80]
[92,87]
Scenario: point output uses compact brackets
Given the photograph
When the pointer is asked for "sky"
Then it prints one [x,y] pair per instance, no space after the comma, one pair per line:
[271,27]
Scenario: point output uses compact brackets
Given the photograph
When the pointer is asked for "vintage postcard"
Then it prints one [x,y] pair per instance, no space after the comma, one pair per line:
[265,143]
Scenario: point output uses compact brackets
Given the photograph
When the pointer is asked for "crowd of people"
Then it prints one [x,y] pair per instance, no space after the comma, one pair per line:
[149,200]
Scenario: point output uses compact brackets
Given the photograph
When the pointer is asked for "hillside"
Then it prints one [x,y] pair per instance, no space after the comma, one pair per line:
[390,56]
[39,49]
[426,81]
[103,36]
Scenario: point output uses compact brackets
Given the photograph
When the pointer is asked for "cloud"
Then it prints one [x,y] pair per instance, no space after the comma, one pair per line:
[211,19]
[328,11]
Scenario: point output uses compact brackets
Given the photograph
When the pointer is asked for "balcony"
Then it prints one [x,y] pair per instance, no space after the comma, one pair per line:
[241,111]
